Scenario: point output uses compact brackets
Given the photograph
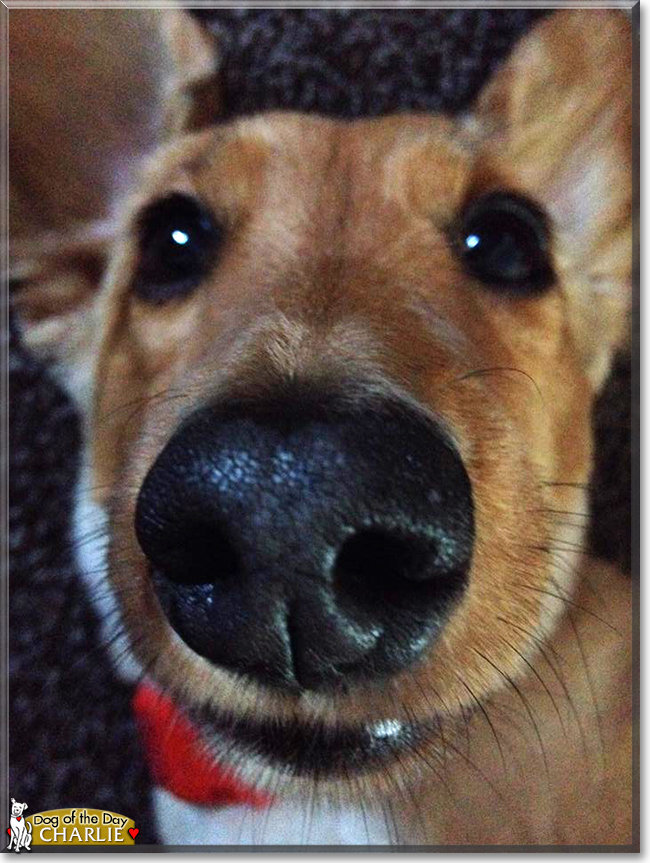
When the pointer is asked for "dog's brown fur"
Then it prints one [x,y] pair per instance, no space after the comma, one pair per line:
[337,270]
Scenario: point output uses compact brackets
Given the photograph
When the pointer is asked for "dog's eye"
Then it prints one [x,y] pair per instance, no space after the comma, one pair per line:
[179,239]
[504,241]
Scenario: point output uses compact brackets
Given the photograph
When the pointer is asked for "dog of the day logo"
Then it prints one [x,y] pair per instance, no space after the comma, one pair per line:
[78,826]
[19,830]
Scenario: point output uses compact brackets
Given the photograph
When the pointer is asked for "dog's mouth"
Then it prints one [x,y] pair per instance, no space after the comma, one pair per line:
[315,750]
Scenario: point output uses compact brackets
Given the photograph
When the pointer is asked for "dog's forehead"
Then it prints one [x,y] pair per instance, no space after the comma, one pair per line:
[318,166]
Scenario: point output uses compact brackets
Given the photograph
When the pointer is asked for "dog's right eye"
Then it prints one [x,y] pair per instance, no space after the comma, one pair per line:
[503,240]
[178,242]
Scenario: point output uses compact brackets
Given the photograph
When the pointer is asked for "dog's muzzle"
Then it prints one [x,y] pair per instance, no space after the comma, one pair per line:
[307,544]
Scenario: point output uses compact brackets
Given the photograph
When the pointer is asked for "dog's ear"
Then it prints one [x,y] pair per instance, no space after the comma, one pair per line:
[88,100]
[54,290]
[92,92]
[193,91]
[132,78]
[555,122]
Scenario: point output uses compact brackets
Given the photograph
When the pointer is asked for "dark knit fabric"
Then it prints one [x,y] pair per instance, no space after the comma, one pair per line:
[610,533]
[72,736]
[352,63]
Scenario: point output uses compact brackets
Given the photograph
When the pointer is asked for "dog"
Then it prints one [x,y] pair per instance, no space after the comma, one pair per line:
[336,380]
[20,831]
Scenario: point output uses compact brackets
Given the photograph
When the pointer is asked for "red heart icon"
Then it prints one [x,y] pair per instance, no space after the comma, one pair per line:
[133,832]
[19,817]
[9,830]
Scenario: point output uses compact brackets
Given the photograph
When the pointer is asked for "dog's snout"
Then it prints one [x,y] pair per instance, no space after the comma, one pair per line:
[307,546]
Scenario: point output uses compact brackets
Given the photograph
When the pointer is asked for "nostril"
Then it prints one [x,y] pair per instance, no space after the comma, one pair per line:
[395,568]
[375,555]
[193,552]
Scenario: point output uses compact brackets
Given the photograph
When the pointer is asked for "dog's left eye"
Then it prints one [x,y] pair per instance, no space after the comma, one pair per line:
[503,240]
[178,242]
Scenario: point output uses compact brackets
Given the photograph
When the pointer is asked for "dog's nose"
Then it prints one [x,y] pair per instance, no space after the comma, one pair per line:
[307,546]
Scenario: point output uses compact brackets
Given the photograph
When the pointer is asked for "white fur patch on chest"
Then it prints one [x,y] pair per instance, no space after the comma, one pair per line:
[292,822]
[90,541]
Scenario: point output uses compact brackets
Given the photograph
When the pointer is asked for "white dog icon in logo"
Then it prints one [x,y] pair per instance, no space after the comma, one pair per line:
[20,831]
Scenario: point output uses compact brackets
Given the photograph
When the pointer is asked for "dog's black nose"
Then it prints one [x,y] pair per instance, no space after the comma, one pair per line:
[307,546]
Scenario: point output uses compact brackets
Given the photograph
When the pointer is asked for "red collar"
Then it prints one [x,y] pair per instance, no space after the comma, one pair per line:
[178,756]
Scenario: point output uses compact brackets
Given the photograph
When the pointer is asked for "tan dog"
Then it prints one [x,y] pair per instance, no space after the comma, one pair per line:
[337,386]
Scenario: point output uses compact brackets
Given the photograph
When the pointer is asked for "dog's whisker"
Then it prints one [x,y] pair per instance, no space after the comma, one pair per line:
[591,687]
[364,814]
[499,370]
[412,801]
[561,545]
[395,833]
[308,817]
[569,602]
[525,703]
[483,710]
[139,404]
[542,682]
[544,649]
[412,719]
[476,769]
[559,484]
[585,580]
[66,550]
[563,512]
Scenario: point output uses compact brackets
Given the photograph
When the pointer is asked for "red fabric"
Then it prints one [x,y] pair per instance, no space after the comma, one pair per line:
[178,757]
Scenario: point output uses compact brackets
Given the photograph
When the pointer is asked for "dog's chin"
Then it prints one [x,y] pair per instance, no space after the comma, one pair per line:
[313,751]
